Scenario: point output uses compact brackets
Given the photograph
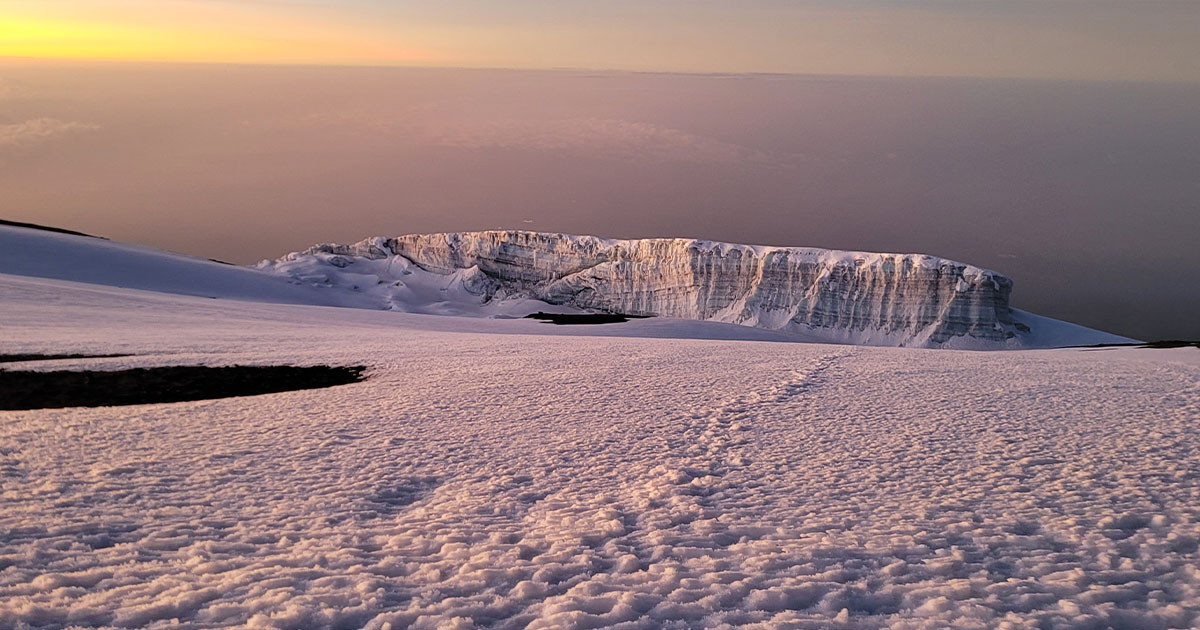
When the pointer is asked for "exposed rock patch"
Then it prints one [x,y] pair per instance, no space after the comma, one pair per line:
[51,390]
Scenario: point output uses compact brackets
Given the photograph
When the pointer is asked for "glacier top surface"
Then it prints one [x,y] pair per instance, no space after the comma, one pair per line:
[815,254]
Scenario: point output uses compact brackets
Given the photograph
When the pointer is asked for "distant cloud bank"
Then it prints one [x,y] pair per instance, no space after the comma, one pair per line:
[610,137]
[37,130]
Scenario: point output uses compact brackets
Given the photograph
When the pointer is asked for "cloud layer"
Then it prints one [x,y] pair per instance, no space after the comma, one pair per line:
[613,138]
[1088,190]
[38,130]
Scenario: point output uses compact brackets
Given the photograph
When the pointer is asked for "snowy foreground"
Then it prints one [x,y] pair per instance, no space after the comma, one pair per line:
[514,474]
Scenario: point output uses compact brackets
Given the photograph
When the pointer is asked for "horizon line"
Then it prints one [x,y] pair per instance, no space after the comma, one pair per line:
[597,69]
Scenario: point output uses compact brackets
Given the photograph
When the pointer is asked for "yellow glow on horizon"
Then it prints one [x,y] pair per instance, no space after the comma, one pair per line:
[872,37]
[218,38]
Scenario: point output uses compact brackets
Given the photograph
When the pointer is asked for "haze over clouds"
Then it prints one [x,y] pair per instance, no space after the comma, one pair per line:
[38,130]
[1085,193]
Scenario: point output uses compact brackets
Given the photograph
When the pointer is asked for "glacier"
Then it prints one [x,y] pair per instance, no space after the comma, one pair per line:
[781,293]
[824,295]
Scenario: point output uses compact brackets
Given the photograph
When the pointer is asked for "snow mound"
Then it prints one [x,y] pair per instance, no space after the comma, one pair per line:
[395,283]
[78,258]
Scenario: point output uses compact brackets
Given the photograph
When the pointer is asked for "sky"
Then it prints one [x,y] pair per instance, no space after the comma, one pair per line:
[1140,40]
[1055,141]
[1085,193]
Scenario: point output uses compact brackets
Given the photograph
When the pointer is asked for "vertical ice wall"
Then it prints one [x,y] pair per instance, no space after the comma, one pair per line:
[909,299]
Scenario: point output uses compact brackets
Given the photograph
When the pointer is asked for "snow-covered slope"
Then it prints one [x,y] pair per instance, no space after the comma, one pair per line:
[499,482]
[45,254]
[323,281]
[824,295]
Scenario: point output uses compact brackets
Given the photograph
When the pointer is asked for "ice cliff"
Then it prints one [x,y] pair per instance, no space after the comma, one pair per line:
[856,297]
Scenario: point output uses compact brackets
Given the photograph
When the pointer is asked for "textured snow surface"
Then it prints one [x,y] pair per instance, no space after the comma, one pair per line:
[568,480]
[822,295]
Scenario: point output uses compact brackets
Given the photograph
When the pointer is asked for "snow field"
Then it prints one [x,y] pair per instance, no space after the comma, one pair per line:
[559,481]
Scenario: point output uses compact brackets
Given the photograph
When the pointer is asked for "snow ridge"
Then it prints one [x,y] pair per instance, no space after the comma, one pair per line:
[858,297]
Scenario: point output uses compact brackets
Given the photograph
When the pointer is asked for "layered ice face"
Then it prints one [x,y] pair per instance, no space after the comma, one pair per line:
[859,297]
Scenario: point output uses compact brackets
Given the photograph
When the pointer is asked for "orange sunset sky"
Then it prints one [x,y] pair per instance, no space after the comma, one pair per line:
[1067,39]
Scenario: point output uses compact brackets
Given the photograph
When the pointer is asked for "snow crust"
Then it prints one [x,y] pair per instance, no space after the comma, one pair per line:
[571,480]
